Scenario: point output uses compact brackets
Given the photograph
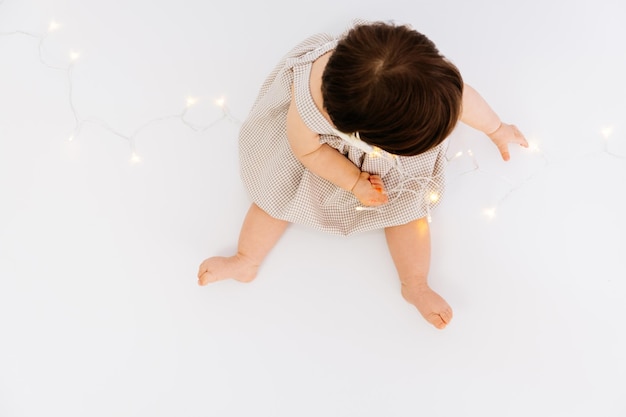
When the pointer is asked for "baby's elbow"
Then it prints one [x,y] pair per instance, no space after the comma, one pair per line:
[309,158]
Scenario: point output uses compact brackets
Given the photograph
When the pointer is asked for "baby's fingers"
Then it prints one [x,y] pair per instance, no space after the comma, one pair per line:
[504,151]
[378,199]
[375,179]
[202,268]
[504,136]
[377,183]
[518,137]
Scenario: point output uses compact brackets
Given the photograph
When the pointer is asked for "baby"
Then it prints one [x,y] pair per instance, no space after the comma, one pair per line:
[347,135]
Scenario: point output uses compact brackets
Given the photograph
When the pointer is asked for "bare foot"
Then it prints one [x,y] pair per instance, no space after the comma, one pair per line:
[219,268]
[430,304]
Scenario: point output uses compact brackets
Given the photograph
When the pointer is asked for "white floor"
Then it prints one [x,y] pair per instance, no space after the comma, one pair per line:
[101,235]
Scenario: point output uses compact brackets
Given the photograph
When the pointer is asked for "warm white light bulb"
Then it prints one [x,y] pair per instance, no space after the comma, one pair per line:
[135,159]
[191,101]
[470,153]
[490,212]
[607,131]
[53,26]
[74,56]
[376,152]
[220,102]
[71,138]
[458,154]
[533,146]
[434,197]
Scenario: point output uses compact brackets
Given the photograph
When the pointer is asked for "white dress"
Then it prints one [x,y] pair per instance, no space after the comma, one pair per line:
[280,185]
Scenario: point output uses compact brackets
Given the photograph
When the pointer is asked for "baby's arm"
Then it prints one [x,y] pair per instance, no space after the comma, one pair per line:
[477,114]
[328,163]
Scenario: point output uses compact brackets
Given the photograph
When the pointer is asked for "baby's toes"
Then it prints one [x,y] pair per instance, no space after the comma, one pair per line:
[203,268]
[437,321]
[206,278]
[441,319]
[446,315]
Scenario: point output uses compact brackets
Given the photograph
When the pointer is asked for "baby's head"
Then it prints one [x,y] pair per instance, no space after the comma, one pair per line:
[391,84]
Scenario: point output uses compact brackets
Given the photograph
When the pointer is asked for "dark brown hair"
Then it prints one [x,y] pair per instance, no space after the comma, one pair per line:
[391,84]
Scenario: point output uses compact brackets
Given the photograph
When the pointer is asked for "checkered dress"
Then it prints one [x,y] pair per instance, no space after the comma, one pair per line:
[279,184]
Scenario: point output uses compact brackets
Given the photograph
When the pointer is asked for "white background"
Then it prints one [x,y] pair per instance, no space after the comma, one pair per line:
[100,314]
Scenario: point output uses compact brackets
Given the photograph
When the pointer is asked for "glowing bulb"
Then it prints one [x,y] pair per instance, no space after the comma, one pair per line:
[191,101]
[375,153]
[74,56]
[434,197]
[53,26]
[360,208]
[135,159]
[220,102]
[490,212]
[533,146]
[455,156]
[470,153]
[71,138]
[607,131]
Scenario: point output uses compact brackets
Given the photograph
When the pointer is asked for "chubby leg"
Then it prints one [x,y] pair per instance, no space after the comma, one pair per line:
[409,245]
[259,234]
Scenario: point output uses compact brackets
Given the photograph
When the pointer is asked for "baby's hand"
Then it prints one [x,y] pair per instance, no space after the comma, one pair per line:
[504,135]
[370,190]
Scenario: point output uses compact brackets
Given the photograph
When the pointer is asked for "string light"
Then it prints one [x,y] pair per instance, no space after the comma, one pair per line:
[135,159]
[376,152]
[427,188]
[53,26]
[425,184]
[607,132]
[533,146]
[191,101]
[490,212]
[456,156]
[221,103]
